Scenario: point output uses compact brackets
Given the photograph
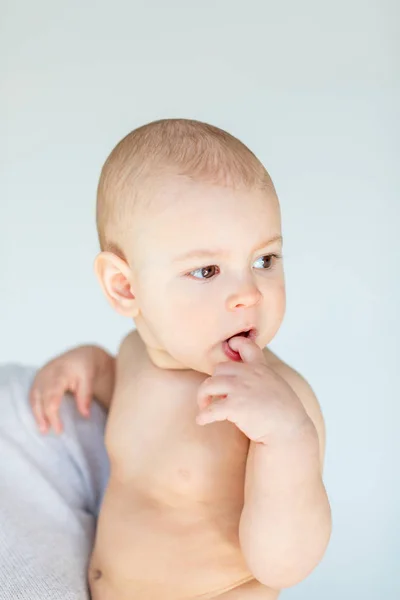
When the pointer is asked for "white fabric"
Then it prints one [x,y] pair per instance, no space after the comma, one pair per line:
[51,489]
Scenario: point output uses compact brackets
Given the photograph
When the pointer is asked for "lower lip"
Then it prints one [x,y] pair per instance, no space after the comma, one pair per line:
[231,354]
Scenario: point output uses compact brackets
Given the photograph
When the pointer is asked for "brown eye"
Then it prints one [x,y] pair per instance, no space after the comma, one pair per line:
[267,261]
[206,272]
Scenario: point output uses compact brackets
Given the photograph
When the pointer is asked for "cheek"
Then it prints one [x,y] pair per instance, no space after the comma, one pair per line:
[188,301]
[192,317]
[189,324]
[282,300]
[277,304]
[175,311]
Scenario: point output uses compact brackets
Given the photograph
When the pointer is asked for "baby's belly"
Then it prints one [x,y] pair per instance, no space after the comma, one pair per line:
[148,551]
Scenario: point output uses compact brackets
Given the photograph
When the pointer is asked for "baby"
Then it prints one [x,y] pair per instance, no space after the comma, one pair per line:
[216,446]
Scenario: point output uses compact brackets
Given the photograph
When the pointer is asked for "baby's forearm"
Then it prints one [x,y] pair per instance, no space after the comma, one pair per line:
[285,525]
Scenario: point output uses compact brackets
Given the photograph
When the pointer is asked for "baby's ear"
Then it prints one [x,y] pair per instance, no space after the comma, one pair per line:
[115,278]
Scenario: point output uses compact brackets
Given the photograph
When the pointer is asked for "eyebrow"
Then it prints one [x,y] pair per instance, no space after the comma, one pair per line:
[192,254]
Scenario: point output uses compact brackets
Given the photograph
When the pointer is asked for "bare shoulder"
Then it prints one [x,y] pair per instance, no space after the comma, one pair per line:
[304,392]
[130,350]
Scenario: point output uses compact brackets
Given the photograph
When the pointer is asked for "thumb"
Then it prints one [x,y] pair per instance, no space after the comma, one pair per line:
[248,349]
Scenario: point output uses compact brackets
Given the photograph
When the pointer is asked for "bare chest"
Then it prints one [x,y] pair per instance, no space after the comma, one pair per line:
[154,442]
[168,525]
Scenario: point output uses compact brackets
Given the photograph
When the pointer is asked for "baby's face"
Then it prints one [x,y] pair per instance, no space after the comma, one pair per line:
[204,270]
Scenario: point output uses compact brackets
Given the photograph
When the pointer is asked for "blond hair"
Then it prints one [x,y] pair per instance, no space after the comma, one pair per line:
[182,147]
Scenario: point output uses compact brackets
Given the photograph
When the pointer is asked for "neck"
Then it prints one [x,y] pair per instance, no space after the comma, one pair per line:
[157,356]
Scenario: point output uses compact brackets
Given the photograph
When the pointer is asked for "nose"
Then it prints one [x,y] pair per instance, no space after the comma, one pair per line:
[248,295]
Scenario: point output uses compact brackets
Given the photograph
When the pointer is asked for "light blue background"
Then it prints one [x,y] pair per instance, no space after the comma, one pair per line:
[313,88]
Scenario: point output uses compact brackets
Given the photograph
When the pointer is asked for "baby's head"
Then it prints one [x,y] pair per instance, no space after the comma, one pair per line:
[190,234]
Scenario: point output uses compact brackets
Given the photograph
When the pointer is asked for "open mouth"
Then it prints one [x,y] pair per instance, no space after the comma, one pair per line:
[244,333]
[248,333]
[232,354]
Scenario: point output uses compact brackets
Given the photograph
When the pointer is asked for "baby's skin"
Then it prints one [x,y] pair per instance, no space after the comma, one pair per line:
[216,446]
[172,523]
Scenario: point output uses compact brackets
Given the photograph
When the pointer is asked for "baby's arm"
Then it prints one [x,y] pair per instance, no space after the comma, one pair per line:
[286,522]
[85,371]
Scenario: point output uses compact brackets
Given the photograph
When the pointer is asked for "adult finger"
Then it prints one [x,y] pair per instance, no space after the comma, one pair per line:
[38,411]
[84,394]
[52,413]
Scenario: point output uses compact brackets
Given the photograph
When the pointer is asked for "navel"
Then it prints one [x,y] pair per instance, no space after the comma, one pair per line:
[96,574]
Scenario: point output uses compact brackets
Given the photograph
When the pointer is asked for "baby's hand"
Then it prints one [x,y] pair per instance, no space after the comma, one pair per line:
[81,371]
[251,395]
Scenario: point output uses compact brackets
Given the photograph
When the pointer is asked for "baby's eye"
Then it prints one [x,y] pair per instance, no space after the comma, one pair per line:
[205,272]
[209,272]
[266,261]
